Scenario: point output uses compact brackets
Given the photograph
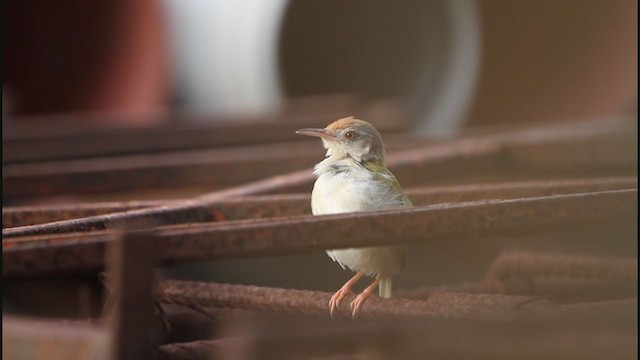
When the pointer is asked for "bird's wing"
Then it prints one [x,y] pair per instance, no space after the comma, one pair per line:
[385,176]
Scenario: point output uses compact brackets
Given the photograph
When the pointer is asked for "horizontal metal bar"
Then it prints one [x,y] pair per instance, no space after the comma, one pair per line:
[536,265]
[441,159]
[31,215]
[439,305]
[177,212]
[561,278]
[65,253]
[219,168]
[216,168]
[76,136]
[298,204]
[286,337]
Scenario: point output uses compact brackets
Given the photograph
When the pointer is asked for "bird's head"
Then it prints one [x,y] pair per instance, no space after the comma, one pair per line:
[350,137]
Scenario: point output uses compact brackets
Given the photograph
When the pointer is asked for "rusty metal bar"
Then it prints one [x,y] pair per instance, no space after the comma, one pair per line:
[561,150]
[563,275]
[177,212]
[40,255]
[31,215]
[283,338]
[286,338]
[438,305]
[132,258]
[245,238]
[519,263]
[298,204]
[442,160]
[468,150]
[610,150]
[307,110]
[216,168]
[77,136]
[553,289]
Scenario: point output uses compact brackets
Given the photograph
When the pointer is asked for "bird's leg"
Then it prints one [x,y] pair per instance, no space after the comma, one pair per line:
[336,299]
[356,304]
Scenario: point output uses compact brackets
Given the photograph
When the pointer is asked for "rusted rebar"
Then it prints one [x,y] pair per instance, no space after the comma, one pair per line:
[132,258]
[175,213]
[471,149]
[217,168]
[24,256]
[76,136]
[569,273]
[610,150]
[438,305]
[285,338]
[263,206]
[480,154]
[31,215]
[449,154]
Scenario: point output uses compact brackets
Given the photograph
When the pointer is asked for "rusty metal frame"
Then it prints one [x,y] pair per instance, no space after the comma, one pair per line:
[511,182]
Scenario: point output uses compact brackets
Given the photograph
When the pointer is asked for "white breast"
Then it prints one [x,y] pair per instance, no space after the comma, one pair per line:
[352,189]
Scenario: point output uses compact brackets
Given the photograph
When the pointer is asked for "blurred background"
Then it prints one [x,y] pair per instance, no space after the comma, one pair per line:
[456,63]
[193,77]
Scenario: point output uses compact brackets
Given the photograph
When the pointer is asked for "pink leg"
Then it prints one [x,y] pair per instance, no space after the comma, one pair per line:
[356,304]
[336,299]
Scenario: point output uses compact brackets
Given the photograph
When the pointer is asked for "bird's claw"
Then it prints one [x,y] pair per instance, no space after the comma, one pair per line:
[336,299]
[356,304]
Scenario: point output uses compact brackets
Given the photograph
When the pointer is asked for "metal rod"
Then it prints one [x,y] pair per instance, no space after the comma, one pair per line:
[40,255]
[440,159]
[563,275]
[610,150]
[439,305]
[298,204]
[132,258]
[295,338]
[176,212]
[81,136]
[216,168]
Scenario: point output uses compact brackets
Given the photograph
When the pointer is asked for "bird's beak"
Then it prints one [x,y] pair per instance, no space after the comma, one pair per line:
[321,133]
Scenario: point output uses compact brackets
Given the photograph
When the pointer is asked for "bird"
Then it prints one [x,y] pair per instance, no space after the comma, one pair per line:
[354,177]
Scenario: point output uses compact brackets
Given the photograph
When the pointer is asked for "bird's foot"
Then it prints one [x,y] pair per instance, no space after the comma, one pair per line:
[345,290]
[357,303]
[336,299]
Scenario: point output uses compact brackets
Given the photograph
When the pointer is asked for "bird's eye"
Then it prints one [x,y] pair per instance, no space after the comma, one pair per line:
[350,135]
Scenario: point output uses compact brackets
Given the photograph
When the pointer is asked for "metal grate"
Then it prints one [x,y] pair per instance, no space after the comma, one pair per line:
[535,225]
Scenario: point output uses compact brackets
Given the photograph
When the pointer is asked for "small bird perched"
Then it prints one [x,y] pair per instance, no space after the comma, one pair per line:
[354,177]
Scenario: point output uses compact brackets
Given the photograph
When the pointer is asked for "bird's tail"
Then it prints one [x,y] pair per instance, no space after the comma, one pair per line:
[384,289]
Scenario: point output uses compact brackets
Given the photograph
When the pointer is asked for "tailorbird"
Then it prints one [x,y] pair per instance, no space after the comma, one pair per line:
[354,177]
